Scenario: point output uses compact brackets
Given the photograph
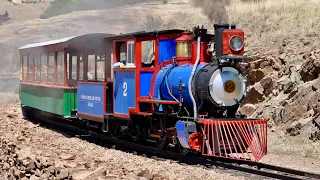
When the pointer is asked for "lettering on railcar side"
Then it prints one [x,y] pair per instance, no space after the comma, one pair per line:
[92,98]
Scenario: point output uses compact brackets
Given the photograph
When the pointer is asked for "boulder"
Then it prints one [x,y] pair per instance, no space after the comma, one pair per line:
[248,109]
[64,173]
[257,63]
[282,56]
[305,100]
[255,94]
[68,157]
[294,131]
[38,173]
[268,85]
[310,69]
[286,84]
[145,174]
[255,75]
[278,114]
[315,136]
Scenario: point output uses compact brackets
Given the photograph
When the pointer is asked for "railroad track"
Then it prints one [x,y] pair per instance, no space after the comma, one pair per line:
[256,168]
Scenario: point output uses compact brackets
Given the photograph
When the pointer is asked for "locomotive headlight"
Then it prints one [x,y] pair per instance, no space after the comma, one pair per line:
[236,43]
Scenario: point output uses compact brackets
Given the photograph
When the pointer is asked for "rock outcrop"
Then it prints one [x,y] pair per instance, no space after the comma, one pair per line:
[14,164]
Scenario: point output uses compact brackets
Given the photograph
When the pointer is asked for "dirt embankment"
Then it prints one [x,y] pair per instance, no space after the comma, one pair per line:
[29,150]
[9,84]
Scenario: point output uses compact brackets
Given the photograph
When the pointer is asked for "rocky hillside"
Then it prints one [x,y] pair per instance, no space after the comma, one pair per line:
[284,85]
[284,64]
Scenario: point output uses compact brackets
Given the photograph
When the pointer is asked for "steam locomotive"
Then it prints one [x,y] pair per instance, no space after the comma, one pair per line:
[179,89]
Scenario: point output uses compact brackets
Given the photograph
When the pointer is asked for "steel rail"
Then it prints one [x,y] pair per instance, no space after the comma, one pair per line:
[260,169]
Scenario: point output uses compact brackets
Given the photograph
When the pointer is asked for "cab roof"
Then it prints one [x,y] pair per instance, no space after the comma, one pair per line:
[144,34]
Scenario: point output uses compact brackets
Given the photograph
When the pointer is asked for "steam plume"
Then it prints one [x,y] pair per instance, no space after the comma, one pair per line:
[215,10]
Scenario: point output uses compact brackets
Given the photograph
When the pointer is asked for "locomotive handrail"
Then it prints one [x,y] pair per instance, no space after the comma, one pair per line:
[152,101]
[236,57]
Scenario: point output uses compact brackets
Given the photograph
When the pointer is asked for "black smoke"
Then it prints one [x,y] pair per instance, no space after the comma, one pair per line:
[215,10]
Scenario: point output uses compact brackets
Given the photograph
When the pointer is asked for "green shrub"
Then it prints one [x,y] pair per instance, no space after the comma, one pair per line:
[153,23]
[58,7]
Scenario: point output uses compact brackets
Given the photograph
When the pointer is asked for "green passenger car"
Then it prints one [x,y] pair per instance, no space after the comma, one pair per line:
[50,71]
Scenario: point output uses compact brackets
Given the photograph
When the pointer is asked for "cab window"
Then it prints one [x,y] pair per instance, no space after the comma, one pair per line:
[123,52]
[148,53]
[130,53]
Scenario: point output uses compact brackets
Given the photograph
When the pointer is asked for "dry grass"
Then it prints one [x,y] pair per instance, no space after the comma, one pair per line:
[8,98]
[23,12]
[275,20]
[288,145]
[264,22]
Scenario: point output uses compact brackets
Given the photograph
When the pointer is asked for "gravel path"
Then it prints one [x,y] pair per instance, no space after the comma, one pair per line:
[83,160]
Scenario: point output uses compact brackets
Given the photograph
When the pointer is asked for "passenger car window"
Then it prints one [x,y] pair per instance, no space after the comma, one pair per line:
[30,69]
[81,69]
[25,67]
[74,66]
[60,67]
[37,68]
[101,67]
[44,64]
[91,67]
[51,69]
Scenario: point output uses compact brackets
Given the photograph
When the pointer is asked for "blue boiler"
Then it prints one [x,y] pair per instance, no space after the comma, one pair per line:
[168,81]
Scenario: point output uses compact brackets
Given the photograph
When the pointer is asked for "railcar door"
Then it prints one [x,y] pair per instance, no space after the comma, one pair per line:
[124,86]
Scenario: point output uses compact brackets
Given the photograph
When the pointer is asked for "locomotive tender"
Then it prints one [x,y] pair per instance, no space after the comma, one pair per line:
[176,88]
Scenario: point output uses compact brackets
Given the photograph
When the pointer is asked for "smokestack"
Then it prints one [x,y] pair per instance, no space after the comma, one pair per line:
[218,29]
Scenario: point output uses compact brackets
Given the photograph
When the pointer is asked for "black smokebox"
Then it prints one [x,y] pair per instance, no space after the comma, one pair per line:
[218,30]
